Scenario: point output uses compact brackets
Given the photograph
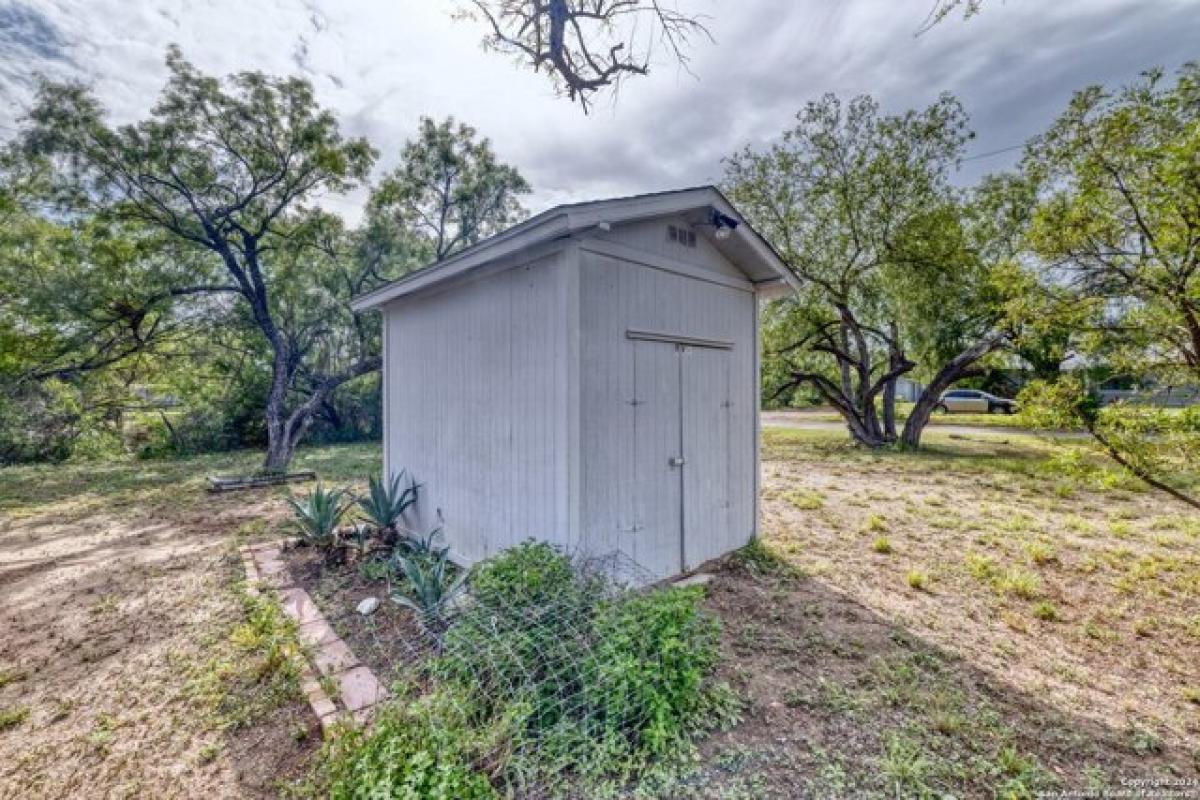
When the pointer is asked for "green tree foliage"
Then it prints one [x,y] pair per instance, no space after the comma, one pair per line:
[449,190]
[1121,217]
[192,237]
[900,274]
[225,168]
[1158,445]
[85,310]
[1118,229]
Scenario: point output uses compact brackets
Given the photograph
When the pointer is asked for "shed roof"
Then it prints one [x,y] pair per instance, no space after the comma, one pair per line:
[745,247]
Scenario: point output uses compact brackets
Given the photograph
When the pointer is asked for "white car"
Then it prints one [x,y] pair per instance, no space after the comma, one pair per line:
[973,401]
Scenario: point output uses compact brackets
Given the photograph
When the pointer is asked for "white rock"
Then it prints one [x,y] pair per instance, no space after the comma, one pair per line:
[367,606]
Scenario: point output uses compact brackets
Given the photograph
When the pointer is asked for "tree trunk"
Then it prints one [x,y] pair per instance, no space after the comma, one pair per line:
[859,427]
[914,426]
[918,418]
[889,410]
[280,445]
[279,440]
[284,431]
[863,427]
[896,362]
[176,442]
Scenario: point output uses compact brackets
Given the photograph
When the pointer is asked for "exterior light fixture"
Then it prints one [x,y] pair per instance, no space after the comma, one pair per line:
[723,223]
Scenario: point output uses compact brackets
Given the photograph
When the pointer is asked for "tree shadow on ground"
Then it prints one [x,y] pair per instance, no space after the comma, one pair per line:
[843,702]
[90,486]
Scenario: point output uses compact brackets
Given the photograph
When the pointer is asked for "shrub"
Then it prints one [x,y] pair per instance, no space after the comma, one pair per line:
[917,580]
[409,753]
[882,545]
[528,575]
[524,640]
[648,667]
[571,683]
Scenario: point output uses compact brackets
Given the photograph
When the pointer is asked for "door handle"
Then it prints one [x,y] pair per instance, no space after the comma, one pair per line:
[675,461]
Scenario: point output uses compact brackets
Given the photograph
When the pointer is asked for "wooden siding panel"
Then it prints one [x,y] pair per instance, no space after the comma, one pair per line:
[475,407]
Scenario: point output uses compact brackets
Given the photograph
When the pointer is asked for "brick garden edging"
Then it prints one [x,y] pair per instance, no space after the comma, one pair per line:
[358,689]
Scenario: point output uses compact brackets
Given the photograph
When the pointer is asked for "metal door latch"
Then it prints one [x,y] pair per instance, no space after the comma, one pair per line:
[676,461]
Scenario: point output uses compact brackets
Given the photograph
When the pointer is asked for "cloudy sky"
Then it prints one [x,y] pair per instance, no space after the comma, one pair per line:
[381,64]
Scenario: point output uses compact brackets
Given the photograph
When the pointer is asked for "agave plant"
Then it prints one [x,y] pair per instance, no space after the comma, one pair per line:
[317,516]
[431,589]
[419,545]
[358,544]
[386,501]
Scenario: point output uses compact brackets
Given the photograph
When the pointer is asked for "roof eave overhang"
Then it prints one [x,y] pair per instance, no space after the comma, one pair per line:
[762,250]
[574,220]
[505,244]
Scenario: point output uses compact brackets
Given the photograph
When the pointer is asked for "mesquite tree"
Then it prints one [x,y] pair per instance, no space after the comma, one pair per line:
[226,167]
[1120,218]
[942,9]
[900,274]
[84,310]
[449,190]
[587,45]
[1119,229]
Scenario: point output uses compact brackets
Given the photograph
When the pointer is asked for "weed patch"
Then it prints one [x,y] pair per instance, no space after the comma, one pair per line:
[257,669]
[550,682]
[12,717]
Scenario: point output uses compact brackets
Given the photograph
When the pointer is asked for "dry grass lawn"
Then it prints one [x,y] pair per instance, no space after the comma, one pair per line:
[994,617]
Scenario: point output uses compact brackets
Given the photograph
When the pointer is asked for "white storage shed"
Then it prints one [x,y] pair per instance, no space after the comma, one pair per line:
[588,377]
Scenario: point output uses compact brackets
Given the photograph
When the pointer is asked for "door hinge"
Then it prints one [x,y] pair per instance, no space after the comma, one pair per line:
[632,529]
[636,402]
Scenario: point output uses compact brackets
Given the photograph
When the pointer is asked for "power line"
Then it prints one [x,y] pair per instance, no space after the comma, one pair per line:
[991,153]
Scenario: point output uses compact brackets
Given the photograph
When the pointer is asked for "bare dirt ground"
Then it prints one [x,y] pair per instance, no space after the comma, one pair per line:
[382,640]
[974,621]
[991,618]
[127,667]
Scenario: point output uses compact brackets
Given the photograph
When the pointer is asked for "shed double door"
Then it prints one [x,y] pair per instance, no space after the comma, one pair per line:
[681,454]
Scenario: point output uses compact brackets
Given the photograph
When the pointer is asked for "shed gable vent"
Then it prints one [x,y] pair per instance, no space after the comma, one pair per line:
[682,236]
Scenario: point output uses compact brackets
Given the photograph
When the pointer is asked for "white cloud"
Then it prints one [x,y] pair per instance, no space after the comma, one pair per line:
[381,64]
